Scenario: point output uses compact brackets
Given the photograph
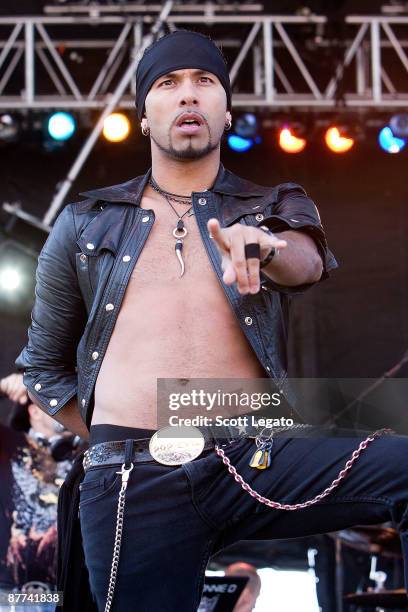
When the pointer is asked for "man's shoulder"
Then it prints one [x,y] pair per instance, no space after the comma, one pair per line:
[76,216]
[126,192]
[229,183]
[234,184]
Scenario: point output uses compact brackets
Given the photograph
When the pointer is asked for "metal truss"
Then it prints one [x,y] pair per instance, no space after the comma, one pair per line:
[276,60]
[45,64]
[110,103]
[120,7]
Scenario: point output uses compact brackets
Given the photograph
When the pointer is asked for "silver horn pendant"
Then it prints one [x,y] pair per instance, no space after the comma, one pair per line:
[179,248]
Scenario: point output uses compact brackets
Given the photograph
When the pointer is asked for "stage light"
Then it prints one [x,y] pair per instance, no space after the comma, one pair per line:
[10,279]
[399,125]
[239,144]
[61,126]
[116,127]
[388,142]
[9,128]
[17,278]
[246,125]
[289,142]
[336,142]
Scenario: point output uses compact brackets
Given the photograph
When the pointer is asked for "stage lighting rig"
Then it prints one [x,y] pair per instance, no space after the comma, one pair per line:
[143,6]
[394,8]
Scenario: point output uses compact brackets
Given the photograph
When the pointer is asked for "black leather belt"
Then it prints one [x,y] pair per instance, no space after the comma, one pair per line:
[111,453]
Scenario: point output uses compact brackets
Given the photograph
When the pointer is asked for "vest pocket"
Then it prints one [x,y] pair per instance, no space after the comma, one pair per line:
[84,279]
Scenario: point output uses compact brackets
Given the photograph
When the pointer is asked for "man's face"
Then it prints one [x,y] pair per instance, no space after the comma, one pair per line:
[186,91]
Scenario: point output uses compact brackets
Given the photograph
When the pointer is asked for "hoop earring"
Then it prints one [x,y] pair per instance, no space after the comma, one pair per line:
[228,125]
[145,131]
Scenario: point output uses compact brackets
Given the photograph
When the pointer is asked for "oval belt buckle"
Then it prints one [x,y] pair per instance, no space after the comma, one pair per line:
[176,445]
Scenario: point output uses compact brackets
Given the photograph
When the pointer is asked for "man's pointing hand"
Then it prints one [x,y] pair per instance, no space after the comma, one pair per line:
[231,243]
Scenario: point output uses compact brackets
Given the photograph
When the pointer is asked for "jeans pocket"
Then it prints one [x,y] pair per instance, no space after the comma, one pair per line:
[210,482]
[97,484]
[205,473]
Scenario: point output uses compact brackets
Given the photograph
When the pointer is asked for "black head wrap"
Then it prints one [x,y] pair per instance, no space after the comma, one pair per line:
[175,51]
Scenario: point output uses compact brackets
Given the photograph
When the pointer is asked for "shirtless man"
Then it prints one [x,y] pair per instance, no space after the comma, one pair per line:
[111,300]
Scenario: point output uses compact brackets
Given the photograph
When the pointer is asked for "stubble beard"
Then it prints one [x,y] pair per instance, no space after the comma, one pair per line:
[190,152]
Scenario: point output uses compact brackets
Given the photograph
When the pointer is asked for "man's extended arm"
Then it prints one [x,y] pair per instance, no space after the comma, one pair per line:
[297,264]
[296,230]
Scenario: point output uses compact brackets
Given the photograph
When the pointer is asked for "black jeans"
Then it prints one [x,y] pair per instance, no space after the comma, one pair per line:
[177,517]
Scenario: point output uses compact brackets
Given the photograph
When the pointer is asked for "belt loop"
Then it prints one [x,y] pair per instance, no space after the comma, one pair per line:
[221,434]
[128,453]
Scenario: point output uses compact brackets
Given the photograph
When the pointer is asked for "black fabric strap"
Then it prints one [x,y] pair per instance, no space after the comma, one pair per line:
[128,452]
[272,252]
[268,258]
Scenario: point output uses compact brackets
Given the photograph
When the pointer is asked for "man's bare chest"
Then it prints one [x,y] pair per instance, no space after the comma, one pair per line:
[158,259]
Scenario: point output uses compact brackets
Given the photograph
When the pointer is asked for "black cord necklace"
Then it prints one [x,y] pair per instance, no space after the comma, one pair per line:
[181,199]
[180,231]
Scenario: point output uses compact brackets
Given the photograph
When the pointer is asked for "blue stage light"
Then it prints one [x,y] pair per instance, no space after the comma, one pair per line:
[238,144]
[246,125]
[61,126]
[390,143]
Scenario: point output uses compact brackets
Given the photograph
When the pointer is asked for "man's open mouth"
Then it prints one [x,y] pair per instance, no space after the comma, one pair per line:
[189,122]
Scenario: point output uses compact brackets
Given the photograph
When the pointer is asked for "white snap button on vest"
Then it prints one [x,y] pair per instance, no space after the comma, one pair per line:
[126,258]
[202,201]
[53,402]
[248,320]
[95,355]
[109,307]
[90,246]
[83,402]
[268,368]
[37,387]
[259,216]
[146,218]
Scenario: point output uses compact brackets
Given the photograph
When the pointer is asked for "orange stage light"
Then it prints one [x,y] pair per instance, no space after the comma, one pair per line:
[289,142]
[116,127]
[336,142]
